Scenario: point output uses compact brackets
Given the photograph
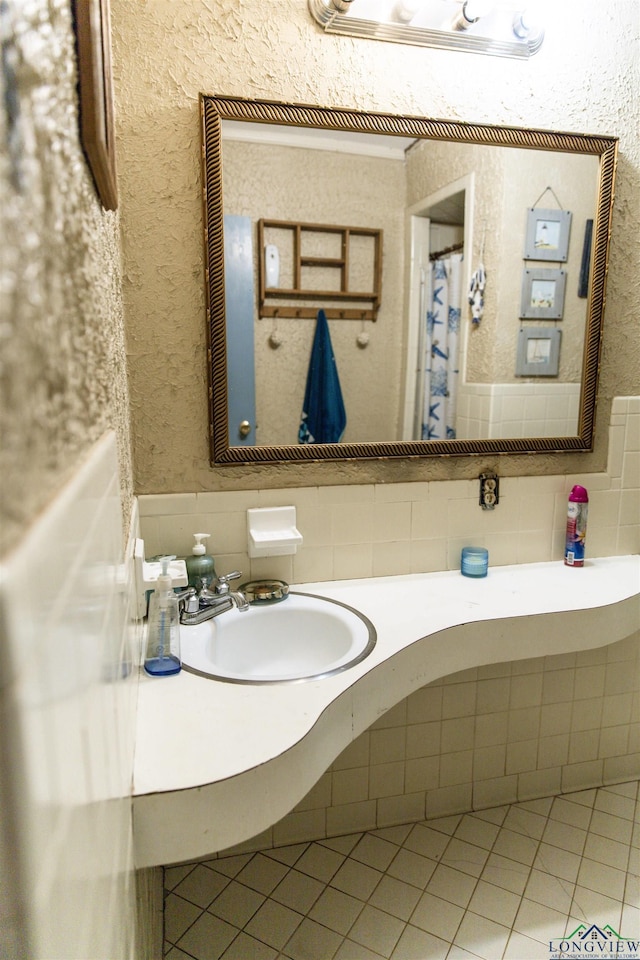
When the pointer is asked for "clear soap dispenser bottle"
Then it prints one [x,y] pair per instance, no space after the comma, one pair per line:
[163,639]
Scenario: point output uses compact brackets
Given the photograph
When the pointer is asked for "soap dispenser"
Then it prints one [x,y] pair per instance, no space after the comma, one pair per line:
[163,639]
[201,569]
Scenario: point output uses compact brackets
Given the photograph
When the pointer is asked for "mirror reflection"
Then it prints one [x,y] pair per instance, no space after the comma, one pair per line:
[427,324]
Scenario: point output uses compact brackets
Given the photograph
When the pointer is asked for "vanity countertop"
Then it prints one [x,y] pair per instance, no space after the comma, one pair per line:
[227,760]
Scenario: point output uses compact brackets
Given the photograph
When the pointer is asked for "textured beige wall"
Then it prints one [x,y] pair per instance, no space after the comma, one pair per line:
[584,79]
[63,373]
[320,186]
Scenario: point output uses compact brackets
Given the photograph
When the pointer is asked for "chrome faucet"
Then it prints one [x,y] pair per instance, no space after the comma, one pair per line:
[198,606]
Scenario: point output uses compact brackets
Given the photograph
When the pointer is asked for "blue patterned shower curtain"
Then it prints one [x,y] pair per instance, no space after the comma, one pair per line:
[444,302]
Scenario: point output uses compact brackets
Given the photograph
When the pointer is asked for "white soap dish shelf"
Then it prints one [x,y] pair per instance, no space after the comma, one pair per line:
[272,532]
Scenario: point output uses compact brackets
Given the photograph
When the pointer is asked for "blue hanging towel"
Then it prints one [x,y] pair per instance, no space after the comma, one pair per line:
[323,415]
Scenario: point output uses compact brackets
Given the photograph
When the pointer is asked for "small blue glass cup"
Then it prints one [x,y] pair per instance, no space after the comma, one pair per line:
[474,561]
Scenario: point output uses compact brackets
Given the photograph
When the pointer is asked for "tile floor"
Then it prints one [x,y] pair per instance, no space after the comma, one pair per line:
[497,883]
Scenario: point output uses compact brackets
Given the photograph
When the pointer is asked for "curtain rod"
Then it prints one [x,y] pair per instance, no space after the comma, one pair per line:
[442,253]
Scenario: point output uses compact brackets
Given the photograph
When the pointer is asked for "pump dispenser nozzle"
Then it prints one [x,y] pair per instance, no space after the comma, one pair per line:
[201,569]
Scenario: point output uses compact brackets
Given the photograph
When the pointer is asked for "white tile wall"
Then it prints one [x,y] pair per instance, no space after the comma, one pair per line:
[67,700]
[512,410]
[494,735]
[505,733]
[371,530]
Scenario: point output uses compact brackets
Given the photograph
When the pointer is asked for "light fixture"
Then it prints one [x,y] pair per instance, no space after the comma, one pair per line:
[501,28]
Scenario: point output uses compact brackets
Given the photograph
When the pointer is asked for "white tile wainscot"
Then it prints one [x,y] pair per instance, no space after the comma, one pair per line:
[217,763]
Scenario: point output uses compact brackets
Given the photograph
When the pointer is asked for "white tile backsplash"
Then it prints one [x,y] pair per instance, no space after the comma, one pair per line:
[366,530]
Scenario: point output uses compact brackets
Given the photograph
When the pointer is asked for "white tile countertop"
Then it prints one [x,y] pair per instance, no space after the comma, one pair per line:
[216,763]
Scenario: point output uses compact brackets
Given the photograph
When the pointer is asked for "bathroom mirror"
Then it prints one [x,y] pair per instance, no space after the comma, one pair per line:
[273,170]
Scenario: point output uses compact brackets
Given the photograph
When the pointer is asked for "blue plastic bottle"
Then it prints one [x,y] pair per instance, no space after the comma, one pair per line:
[162,657]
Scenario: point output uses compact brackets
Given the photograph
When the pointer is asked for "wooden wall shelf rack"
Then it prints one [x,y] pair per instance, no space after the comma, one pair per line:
[369,298]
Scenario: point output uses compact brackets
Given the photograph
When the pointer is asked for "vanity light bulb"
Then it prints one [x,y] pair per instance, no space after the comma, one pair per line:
[526,25]
[405,10]
[473,10]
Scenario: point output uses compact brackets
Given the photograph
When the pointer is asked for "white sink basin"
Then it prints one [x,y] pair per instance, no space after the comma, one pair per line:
[302,638]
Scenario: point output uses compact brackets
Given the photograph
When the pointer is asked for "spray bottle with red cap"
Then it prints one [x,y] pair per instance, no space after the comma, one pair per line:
[576,527]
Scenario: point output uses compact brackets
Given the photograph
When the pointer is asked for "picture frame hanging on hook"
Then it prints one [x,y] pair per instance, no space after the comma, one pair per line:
[547,235]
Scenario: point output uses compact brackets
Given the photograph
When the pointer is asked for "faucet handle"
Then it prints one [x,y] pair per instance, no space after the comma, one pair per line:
[225,577]
[222,585]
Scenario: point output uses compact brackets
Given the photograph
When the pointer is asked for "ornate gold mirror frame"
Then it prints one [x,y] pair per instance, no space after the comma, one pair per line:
[216,109]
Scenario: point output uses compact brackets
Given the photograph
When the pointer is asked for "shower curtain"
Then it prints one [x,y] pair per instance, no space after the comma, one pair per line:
[440,358]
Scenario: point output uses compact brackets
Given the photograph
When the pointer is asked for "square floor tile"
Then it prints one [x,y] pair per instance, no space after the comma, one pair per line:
[179,914]
[541,806]
[377,930]
[451,885]
[607,851]
[515,846]
[208,937]
[342,845]
[245,947]
[336,910]
[173,953]
[426,841]
[356,879]
[539,922]
[526,822]
[457,953]
[412,868]
[230,866]
[520,947]
[350,950]
[557,862]
[447,825]
[630,920]
[506,873]
[566,811]
[492,814]
[298,891]
[396,897]
[374,851]
[262,874]
[550,891]
[602,879]
[465,857]
[287,855]
[585,797]
[236,904]
[494,903]
[397,834]
[619,806]
[415,944]
[312,941]
[565,836]
[173,875]
[592,907]
[484,938]
[437,916]
[320,862]
[273,924]
[624,789]
[607,825]
[201,886]
[482,833]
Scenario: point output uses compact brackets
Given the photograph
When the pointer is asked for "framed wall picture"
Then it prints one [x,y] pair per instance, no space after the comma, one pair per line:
[547,236]
[95,86]
[542,296]
[538,352]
